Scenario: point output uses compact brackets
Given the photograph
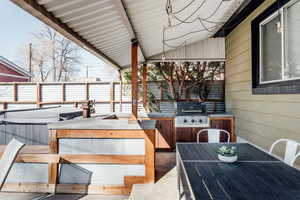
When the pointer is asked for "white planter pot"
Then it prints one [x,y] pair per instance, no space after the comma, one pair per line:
[228,159]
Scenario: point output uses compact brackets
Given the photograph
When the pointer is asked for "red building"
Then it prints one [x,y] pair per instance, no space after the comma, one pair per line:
[10,72]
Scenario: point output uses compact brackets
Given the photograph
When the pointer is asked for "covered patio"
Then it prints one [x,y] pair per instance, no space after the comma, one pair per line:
[257,41]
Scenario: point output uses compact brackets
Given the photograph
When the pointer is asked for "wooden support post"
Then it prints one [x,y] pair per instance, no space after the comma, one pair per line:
[38,95]
[233,138]
[144,82]
[87,91]
[5,105]
[63,92]
[53,167]
[53,142]
[161,91]
[15,91]
[134,81]
[52,173]
[161,94]
[30,60]
[112,97]
[150,156]
[121,91]
[86,110]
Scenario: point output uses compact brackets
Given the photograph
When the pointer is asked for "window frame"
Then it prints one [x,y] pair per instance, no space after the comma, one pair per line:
[261,24]
[284,85]
[285,54]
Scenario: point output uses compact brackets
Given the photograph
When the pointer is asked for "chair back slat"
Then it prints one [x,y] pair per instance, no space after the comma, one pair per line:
[290,152]
[213,135]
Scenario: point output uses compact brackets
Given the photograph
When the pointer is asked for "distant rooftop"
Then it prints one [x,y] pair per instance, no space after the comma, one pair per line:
[14,66]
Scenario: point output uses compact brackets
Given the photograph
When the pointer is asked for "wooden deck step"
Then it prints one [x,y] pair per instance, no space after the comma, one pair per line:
[165,189]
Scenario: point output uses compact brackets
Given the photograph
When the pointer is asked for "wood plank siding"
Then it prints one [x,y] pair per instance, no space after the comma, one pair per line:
[260,119]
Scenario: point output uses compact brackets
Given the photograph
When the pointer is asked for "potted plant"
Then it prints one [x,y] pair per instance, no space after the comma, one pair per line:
[227,154]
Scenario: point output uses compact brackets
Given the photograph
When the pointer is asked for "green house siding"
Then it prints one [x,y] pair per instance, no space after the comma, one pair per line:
[260,119]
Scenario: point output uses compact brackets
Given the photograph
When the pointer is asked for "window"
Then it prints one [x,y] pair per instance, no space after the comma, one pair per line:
[276,49]
[292,41]
[271,50]
[279,45]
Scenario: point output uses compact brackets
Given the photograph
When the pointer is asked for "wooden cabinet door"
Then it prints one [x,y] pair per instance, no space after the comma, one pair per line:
[165,134]
[224,124]
[184,135]
[187,134]
[190,134]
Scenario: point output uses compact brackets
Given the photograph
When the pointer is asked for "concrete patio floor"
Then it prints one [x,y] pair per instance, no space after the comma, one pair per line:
[165,187]
[37,196]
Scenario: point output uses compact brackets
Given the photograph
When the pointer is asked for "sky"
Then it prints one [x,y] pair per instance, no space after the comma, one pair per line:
[16,31]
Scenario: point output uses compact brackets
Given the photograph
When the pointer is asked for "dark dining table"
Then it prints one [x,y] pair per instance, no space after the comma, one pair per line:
[255,176]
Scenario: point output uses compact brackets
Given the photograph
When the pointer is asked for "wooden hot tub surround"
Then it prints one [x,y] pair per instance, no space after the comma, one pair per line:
[68,131]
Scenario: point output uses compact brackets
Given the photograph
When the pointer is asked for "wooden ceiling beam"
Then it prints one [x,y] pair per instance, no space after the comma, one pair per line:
[120,5]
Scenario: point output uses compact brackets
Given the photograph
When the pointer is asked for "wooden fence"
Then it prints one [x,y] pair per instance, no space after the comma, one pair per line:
[107,95]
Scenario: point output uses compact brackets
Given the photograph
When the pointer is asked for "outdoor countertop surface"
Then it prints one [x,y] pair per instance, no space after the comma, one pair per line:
[147,115]
[169,115]
[99,124]
[221,115]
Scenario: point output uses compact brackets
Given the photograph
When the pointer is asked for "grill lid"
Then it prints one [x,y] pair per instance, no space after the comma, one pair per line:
[190,108]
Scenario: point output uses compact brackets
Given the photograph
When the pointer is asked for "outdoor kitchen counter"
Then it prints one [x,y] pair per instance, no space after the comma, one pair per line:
[116,153]
[99,124]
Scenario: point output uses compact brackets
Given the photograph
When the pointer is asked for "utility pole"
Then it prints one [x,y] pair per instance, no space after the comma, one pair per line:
[30,60]
[87,72]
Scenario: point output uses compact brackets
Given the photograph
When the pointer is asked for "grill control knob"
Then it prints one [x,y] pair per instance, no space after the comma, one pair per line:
[192,120]
[200,120]
[184,121]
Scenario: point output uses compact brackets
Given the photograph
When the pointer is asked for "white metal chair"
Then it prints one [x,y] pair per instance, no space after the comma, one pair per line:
[295,158]
[8,157]
[213,135]
[291,148]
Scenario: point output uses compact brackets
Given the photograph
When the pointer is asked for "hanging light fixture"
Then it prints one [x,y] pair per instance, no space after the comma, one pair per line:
[279,27]
[169,7]
[163,43]
[279,24]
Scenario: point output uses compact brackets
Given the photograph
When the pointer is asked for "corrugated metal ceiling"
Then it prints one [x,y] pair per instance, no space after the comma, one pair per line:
[98,22]
[103,25]
[149,17]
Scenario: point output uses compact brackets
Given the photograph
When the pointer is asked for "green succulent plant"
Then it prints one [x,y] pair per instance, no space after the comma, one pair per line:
[227,151]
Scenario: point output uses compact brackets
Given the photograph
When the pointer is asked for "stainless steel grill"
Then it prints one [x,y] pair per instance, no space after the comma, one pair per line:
[191,114]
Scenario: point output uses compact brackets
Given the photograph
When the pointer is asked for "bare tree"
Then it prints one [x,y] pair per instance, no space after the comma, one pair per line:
[189,75]
[54,57]
[181,79]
